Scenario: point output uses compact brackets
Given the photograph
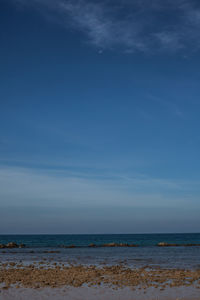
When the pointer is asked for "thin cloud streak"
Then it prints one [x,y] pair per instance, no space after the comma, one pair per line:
[72,189]
[144,26]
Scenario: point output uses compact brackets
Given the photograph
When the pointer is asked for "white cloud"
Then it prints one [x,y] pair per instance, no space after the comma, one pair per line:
[139,25]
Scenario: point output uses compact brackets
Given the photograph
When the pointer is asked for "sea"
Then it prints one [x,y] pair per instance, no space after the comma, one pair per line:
[147,254]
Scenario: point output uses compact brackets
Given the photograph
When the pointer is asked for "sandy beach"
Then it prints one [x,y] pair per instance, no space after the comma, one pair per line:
[53,281]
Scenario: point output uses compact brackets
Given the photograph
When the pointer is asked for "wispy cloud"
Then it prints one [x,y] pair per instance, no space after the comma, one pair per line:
[69,188]
[139,25]
[36,200]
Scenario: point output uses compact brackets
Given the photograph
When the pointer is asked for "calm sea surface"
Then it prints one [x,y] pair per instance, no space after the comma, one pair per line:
[147,254]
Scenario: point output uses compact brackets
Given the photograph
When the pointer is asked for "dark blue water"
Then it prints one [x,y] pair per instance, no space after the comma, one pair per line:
[54,241]
[147,254]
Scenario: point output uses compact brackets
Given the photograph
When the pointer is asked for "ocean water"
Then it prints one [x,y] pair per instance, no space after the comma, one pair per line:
[38,247]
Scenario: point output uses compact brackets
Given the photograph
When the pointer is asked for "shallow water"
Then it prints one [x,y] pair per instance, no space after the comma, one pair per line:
[147,254]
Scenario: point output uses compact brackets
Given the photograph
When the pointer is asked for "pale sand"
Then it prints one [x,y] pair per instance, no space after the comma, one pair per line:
[100,293]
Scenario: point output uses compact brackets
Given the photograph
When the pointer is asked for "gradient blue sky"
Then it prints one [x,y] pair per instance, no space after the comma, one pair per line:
[99,116]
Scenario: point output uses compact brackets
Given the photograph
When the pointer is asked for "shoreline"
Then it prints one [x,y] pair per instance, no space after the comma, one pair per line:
[99,293]
[102,269]
[45,274]
[53,280]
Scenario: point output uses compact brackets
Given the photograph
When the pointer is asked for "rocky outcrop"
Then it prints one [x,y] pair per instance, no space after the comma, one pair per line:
[110,245]
[11,245]
[119,245]
[163,244]
[127,245]
[92,245]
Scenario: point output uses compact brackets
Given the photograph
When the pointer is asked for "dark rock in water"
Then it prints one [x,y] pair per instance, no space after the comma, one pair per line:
[163,244]
[119,245]
[92,245]
[123,245]
[71,246]
[12,245]
[132,245]
[110,245]
[127,245]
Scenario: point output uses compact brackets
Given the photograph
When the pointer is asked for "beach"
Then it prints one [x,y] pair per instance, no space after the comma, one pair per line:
[47,280]
[85,293]
[104,267]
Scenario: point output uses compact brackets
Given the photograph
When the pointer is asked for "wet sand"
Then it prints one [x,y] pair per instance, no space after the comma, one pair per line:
[100,293]
[54,281]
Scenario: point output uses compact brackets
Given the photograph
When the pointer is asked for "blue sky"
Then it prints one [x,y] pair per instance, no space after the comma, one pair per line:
[99,116]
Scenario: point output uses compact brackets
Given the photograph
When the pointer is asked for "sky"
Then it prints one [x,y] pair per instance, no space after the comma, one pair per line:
[99,116]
